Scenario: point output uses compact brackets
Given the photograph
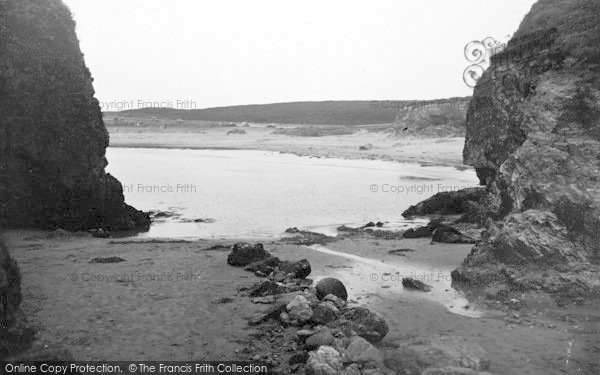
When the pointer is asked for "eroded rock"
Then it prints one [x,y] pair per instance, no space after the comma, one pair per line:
[242,254]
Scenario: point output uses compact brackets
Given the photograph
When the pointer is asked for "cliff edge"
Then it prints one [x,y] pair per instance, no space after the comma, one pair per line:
[52,138]
[535,144]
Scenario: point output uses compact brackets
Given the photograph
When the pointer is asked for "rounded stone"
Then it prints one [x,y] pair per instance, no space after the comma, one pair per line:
[329,285]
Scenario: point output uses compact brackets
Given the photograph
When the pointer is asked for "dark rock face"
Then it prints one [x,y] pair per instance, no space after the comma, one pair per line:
[536,146]
[52,138]
[14,335]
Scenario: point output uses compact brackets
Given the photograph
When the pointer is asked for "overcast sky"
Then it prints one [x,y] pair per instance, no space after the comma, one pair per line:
[230,52]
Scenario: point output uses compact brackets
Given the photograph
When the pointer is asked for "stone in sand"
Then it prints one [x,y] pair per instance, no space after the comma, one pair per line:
[107,260]
[410,283]
[242,254]
[329,285]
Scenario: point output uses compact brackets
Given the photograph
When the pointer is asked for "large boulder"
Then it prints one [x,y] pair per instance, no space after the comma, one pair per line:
[52,137]
[362,322]
[536,146]
[330,285]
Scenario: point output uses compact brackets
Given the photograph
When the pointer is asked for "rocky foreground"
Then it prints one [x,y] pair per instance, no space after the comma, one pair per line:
[314,330]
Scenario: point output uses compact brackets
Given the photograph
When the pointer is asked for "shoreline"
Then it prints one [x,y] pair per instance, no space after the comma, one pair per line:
[441,151]
[423,162]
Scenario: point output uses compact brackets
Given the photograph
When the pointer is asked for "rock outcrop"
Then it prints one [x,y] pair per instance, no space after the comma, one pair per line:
[536,146]
[14,334]
[52,137]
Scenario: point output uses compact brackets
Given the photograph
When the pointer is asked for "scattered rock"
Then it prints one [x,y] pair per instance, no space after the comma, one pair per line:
[329,285]
[351,369]
[108,260]
[365,147]
[307,238]
[323,337]
[299,309]
[299,269]
[301,357]
[325,312]
[366,323]
[361,351]
[265,266]
[266,288]
[410,283]
[243,254]
[324,361]
[337,301]
[264,300]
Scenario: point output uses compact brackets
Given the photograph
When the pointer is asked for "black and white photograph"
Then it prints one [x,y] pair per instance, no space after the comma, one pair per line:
[359,187]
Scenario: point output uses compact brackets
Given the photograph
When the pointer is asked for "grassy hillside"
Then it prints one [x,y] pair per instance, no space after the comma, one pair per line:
[312,113]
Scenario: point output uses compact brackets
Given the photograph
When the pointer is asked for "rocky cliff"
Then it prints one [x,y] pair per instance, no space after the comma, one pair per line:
[52,138]
[535,144]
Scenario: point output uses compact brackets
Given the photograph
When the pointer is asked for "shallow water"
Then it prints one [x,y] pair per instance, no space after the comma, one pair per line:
[258,194]
[370,274]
